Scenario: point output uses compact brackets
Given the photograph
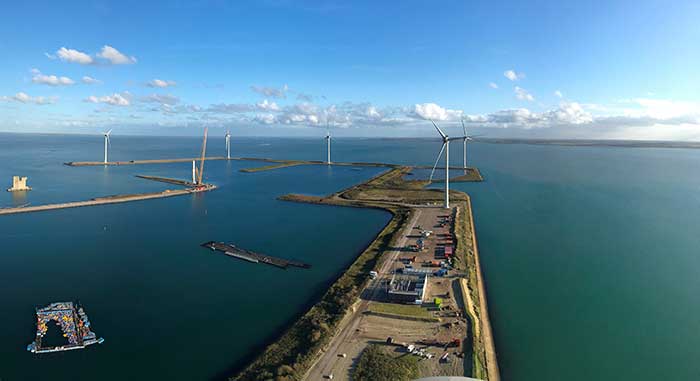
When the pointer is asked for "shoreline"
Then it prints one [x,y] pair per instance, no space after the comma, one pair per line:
[484,320]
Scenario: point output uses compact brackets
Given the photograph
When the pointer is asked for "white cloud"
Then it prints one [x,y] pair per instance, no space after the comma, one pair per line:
[558,94]
[74,56]
[373,113]
[663,108]
[116,99]
[50,80]
[272,92]
[265,118]
[115,57]
[513,76]
[267,106]
[25,98]
[90,81]
[567,114]
[165,99]
[108,55]
[493,85]
[231,108]
[435,112]
[523,95]
[160,83]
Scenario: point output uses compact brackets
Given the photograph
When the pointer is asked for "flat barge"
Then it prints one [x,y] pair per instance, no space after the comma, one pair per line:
[72,320]
[250,256]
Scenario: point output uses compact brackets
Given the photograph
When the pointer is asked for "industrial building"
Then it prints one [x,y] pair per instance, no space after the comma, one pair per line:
[19,184]
[407,288]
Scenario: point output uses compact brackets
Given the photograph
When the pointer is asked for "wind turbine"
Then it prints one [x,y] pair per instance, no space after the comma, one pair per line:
[445,147]
[107,142]
[328,145]
[465,138]
[228,144]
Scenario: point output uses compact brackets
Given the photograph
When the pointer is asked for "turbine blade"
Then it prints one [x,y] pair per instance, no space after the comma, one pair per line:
[438,129]
[436,162]
[464,128]
[109,132]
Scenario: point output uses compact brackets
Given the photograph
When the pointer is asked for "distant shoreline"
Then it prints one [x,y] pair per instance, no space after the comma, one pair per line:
[593,143]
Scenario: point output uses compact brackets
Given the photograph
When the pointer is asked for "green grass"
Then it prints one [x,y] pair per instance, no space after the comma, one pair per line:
[402,310]
[471,175]
[377,364]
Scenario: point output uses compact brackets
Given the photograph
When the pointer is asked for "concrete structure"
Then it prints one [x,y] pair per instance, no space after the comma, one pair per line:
[19,184]
[407,288]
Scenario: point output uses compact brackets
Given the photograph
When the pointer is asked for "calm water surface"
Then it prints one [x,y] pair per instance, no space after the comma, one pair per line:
[590,254]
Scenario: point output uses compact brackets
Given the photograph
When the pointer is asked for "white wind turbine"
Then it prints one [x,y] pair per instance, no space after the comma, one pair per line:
[328,146]
[465,138]
[228,144]
[107,142]
[445,147]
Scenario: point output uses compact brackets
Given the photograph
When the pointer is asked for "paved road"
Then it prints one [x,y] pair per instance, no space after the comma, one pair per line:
[328,362]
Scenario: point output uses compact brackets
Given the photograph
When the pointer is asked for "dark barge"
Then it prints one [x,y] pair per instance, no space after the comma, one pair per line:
[251,256]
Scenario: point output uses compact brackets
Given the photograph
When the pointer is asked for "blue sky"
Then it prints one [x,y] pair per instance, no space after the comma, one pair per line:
[598,69]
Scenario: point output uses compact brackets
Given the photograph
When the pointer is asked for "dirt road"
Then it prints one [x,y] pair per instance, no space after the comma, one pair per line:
[329,362]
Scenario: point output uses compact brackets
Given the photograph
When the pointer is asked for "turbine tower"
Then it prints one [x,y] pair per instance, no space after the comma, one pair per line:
[465,138]
[228,144]
[194,172]
[328,146]
[107,143]
[445,147]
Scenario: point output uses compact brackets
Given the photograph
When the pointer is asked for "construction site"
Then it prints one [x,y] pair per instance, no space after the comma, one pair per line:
[416,307]
[415,293]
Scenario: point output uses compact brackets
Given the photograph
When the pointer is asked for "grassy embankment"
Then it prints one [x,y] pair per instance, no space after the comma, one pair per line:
[378,364]
[462,229]
[292,354]
[471,174]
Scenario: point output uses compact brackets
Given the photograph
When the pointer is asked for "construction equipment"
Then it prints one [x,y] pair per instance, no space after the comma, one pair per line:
[198,174]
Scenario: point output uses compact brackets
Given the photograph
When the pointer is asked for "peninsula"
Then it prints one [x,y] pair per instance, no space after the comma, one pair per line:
[448,322]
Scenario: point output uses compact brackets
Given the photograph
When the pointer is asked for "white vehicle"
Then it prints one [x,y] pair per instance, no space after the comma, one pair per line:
[343,355]
[328,376]
[373,274]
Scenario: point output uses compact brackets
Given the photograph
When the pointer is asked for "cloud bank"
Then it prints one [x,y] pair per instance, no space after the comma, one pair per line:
[108,55]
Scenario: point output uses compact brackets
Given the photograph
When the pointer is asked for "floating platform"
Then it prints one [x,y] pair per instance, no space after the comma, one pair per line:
[72,320]
[250,256]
